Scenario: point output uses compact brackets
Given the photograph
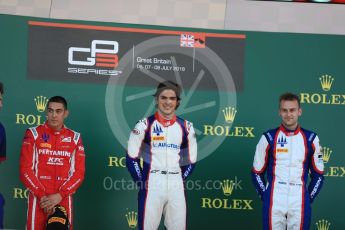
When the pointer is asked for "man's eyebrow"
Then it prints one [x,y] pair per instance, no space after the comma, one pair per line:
[55,109]
[167,97]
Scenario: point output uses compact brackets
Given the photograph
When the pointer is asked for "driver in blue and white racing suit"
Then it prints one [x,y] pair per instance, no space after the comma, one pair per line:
[168,147]
[284,159]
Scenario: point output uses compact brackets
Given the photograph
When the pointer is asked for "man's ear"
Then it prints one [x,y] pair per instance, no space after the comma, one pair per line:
[66,114]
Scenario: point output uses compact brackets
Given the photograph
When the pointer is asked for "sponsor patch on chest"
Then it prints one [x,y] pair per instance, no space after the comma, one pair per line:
[158,138]
[165,145]
[66,139]
[282,150]
[55,161]
[46,145]
[281,141]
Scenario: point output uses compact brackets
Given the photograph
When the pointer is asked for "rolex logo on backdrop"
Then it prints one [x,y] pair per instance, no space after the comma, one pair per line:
[323,225]
[330,169]
[20,193]
[229,114]
[40,104]
[327,83]
[132,219]
[326,154]
[229,199]
[227,187]
[119,161]
[226,128]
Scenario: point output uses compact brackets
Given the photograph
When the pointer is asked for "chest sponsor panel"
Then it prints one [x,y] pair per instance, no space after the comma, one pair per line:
[55,161]
[165,145]
[49,152]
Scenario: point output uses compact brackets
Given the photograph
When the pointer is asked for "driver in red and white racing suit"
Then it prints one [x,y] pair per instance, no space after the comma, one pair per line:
[52,165]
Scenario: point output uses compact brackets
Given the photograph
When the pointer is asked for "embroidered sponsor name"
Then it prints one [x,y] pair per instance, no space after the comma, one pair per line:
[45,145]
[282,150]
[158,138]
[54,152]
[165,145]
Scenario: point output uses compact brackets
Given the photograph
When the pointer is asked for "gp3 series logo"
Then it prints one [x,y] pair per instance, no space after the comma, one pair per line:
[101,54]
[99,57]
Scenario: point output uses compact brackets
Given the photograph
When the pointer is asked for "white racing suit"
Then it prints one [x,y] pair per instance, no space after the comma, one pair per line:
[169,152]
[287,158]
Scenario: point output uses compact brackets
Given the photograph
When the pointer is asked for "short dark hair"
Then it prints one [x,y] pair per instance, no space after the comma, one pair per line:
[58,99]
[289,97]
[1,88]
[168,85]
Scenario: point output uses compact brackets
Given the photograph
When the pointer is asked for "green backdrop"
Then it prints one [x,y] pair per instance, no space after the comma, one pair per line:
[102,111]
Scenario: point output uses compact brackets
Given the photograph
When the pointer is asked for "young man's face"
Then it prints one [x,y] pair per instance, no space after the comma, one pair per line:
[289,112]
[56,114]
[166,103]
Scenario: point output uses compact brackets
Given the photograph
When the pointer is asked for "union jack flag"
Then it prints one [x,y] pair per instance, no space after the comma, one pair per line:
[187,40]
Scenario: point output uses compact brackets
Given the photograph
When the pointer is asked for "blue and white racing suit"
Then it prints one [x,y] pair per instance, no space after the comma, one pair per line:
[284,158]
[169,152]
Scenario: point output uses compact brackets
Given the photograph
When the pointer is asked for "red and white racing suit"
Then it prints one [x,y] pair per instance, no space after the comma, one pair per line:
[50,162]
[169,152]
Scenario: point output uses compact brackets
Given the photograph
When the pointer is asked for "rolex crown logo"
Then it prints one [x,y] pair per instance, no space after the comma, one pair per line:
[229,114]
[41,103]
[132,219]
[228,187]
[326,82]
[326,154]
[323,225]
